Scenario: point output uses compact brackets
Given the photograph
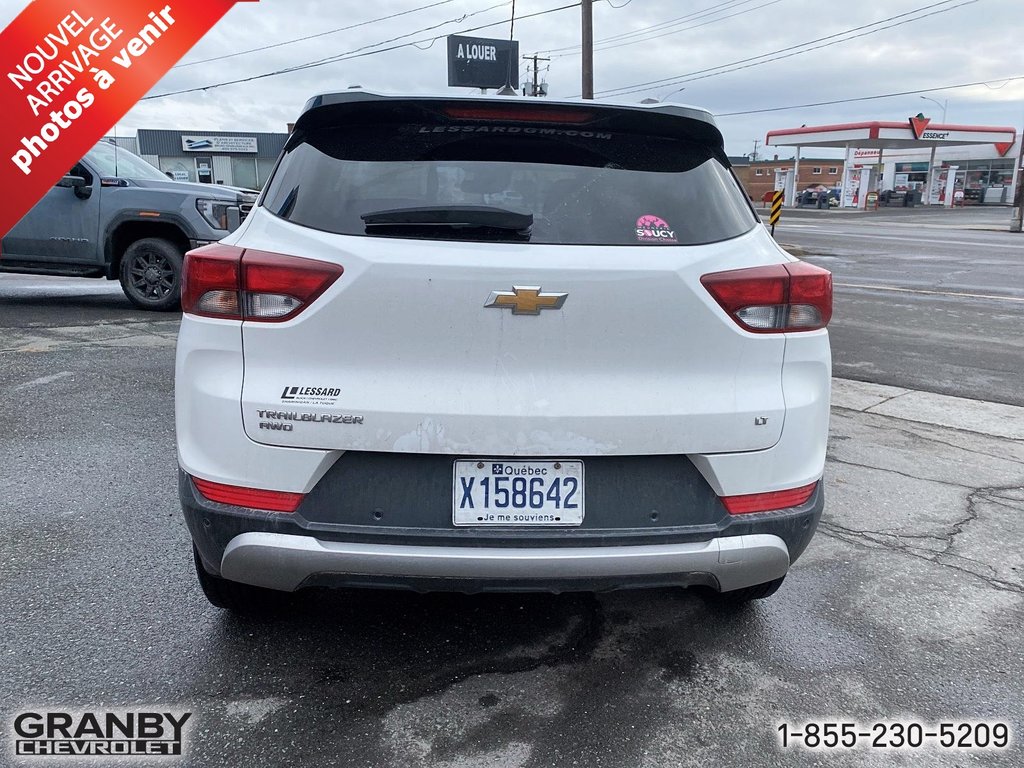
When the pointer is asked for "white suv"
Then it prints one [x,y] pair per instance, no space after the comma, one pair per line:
[500,344]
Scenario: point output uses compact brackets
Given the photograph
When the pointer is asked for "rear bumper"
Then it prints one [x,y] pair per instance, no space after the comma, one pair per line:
[288,562]
[291,551]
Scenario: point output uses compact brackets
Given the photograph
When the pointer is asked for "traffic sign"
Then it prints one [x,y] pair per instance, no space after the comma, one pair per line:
[776,210]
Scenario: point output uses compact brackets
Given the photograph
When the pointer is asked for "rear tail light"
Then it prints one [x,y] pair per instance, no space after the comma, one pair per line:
[209,283]
[253,498]
[242,284]
[781,298]
[766,502]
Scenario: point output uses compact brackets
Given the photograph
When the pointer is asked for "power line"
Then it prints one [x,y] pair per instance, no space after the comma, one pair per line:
[1004,80]
[675,31]
[340,56]
[773,55]
[360,52]
[643,30]
[662,25]
[757,59]
[310,37]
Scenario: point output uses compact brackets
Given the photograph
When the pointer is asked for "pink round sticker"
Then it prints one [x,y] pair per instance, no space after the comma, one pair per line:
[654,229]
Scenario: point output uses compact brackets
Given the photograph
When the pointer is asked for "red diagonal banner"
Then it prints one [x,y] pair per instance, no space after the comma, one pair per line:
[70,69]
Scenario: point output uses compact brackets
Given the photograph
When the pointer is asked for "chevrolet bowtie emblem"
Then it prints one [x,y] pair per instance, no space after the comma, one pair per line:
[525,300]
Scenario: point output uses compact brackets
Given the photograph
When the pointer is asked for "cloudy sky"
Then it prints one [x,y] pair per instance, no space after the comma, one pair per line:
[665,49]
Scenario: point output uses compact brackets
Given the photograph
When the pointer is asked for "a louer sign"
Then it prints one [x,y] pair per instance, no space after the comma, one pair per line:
[479,62]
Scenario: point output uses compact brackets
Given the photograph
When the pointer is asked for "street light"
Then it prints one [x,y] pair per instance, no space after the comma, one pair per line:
[944,104]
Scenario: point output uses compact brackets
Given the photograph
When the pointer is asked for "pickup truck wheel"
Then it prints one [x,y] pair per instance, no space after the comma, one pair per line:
[151,274]
[236,597]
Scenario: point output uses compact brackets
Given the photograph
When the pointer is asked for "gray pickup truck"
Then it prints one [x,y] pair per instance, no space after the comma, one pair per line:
[116,216]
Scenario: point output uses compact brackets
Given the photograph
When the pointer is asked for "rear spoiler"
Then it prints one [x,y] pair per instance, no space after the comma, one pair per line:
[362,107]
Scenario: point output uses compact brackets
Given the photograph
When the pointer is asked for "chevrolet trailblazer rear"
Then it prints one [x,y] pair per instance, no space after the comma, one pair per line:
[473,344]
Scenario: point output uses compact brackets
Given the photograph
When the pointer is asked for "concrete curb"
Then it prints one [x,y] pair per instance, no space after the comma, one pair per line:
[994,419]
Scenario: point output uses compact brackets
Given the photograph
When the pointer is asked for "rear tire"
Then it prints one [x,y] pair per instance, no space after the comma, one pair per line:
[234,596]
[150,274]
[756,592]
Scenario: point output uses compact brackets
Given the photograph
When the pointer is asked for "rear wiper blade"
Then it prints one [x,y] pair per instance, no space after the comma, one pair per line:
[455,217]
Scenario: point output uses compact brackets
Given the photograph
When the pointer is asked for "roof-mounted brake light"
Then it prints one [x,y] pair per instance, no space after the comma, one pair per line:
[518,114]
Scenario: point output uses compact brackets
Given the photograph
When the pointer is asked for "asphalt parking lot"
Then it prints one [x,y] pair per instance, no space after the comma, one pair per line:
[930,300]
[907,605]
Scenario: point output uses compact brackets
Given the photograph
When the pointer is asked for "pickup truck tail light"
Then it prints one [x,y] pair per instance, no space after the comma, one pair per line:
[780,298]
[235,283]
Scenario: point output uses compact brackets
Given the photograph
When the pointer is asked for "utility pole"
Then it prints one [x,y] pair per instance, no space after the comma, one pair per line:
[1018,194]
[535,90]
[587,9]
[753,155]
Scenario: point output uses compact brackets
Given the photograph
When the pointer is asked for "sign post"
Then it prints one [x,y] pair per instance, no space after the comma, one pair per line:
[1018,193]
[776,213]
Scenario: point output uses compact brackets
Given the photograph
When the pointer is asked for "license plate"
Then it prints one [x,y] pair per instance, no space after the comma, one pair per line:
[497,492]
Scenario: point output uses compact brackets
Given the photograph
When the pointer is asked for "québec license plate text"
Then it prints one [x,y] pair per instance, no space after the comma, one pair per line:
[517,493]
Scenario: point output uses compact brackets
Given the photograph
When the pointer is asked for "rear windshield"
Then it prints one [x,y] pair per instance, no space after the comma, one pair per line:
[580,187]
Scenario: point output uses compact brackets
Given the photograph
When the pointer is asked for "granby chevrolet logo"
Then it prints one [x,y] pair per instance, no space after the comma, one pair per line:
[93,734]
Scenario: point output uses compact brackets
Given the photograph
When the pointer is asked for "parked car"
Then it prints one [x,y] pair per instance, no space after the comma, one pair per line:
[489,344]
[819,196]
[116,216]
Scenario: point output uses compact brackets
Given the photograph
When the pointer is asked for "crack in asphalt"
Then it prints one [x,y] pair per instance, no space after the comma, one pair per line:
[883,539]
[887,400]
[999,502]
[947,427]
[927,438]
[955,273]
[101,323]
[55,341]
[972,515]
[831,458]
[859,537]
[894,541]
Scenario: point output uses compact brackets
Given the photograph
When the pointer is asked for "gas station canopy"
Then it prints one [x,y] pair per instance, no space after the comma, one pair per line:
[915,133]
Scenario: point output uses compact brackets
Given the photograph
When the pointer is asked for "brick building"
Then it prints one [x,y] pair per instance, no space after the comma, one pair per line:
[758,176]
